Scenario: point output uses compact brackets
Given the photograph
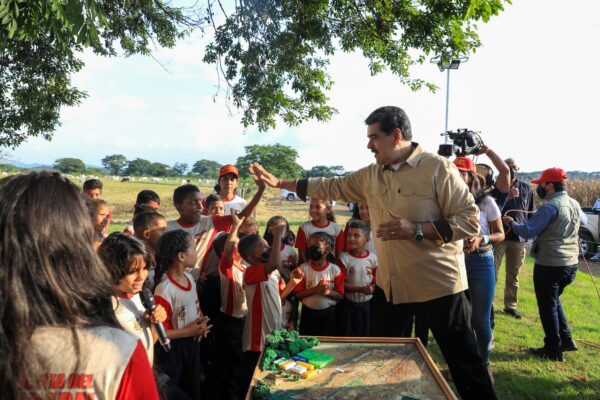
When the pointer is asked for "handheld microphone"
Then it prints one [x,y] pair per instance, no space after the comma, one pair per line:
[147,299]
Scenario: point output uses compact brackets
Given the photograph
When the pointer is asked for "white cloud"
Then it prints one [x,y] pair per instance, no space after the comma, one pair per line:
[128,102]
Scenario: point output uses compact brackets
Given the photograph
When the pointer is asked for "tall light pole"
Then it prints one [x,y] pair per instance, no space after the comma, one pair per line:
[447,65]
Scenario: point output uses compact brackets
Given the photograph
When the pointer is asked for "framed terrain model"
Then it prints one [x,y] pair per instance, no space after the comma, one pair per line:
[362,368]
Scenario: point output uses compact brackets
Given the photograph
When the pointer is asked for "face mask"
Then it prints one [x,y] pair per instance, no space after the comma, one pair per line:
[541,191]
[314,253]
[266,255]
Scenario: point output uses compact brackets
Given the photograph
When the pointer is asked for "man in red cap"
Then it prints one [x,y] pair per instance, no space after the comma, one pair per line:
[556,251]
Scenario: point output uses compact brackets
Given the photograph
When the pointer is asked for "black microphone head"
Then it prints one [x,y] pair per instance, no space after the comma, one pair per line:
[147,299]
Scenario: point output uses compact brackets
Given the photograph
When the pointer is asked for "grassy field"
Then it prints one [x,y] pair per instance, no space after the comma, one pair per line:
[518,374]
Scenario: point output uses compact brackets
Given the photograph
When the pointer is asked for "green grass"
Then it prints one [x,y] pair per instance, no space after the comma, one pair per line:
[518,374]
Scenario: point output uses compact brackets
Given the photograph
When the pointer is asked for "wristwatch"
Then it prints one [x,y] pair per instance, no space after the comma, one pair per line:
[419,233]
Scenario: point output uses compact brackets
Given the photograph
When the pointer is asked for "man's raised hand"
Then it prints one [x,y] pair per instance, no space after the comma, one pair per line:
[258,173]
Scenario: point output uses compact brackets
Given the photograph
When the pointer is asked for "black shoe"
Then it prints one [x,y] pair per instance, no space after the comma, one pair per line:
[513,313]
[543,353]
[568,345]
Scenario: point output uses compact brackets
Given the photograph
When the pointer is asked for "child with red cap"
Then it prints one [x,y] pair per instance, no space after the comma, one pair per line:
[226,187]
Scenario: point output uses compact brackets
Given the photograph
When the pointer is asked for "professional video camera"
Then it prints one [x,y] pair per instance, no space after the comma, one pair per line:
[464,142]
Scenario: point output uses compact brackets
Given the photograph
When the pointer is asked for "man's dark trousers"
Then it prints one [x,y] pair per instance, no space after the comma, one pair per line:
[549,283]
[449,319]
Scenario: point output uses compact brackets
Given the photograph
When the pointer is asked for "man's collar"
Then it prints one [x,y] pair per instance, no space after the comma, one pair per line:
[412,160]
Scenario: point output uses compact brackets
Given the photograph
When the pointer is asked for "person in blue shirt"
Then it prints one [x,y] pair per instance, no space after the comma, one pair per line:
[555,226]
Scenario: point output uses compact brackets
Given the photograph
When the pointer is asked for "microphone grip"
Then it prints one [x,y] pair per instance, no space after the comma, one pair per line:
[162,336]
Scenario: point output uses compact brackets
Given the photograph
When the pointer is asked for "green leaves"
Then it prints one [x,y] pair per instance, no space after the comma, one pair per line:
[274,53]
[38,43]
[277,158]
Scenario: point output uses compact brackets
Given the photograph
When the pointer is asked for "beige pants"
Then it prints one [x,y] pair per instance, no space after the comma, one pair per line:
[515,254]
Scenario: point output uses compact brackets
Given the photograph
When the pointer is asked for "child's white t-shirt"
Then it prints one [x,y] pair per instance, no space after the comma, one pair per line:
[130,314]
[237,205]
[331,275]
[180,302]
[233,295]
[358,271]
[331,228]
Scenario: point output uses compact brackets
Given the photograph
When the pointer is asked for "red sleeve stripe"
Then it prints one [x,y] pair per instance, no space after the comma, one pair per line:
[168,324]
[137,381]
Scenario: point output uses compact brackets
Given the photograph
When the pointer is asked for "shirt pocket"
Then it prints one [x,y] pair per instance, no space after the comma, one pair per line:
[417,201]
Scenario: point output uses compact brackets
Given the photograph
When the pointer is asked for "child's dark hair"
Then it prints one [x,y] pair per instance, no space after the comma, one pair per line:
[145,220]
[142,208]
[92,184]
[248,244]
[146,196]
[184,191]
[356,211]
[362,225]
[169,246]
[211,198]
[268,236]
[117,252]
[329,241]
[50,277]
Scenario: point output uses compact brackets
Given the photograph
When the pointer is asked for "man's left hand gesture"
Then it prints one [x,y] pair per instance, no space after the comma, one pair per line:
[399,228]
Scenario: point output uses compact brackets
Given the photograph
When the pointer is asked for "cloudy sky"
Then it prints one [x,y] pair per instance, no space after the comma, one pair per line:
[532,90]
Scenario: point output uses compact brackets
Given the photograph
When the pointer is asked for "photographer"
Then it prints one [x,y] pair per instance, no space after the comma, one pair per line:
[520,200]
[421,208]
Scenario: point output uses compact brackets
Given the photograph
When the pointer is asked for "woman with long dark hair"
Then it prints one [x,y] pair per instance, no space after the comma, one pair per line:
[58,331]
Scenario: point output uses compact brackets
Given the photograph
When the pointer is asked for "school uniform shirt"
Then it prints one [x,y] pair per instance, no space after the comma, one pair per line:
[204,233]
[237,204]
[180,302]
[331,228]
[332,276]
[264,306]
[286,306]
[358,271]
[233,295]
[210,263]
[112,364]
[130,314]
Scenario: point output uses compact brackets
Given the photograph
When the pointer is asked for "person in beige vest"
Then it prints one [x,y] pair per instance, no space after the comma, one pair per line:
[556,251]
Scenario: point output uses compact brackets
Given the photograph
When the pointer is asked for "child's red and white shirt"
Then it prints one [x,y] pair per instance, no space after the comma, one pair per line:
[235,205]
[233,295]
[204,232]
[331,228]
[180,301]
[264,306]
[358,271]
[330,273]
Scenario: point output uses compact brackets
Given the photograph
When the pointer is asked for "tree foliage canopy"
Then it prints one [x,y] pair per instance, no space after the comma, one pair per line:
[69,165]
[272,54]
[277,158]
[206,169]
[115,163]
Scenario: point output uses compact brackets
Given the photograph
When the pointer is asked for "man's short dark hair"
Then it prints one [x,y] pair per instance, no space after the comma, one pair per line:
[184,191]
[92,184]
[390,118]
[146,196]
[558,186]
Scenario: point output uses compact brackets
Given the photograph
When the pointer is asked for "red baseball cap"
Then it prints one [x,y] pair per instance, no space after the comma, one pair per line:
[465,164]
[551,175]
[229,169]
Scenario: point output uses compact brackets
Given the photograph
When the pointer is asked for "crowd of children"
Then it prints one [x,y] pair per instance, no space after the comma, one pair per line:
[221,288]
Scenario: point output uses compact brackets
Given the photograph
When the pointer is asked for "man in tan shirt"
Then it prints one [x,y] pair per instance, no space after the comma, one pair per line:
[420,208]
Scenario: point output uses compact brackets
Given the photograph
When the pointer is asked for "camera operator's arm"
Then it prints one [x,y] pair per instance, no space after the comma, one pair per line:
[503,180]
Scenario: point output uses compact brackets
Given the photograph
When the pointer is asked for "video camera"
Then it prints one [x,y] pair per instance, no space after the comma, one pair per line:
[464,142]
